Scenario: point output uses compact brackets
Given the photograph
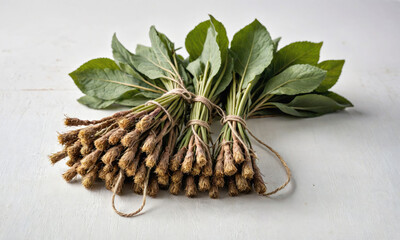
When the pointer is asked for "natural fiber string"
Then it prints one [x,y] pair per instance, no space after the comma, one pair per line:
[119,184]
[236,118]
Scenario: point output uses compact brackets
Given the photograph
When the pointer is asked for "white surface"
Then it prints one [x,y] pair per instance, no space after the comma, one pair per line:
[345,165]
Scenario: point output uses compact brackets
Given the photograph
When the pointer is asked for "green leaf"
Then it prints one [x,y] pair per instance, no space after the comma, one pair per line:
[253,50]
[276,43]
[120,53]
[309,105]
[339,99]
[102,78]
[209,60]
[133,98]
[297,79]
[155,61]
[226,78]
[334,68]
[94,102]
[294,53]
[196,38]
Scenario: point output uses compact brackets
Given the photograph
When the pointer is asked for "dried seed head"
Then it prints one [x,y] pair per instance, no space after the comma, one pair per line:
[175,188]
[75,122]
[200,155]
[102,142]
[109,179]
[74,151]
[132,167]
[259,185]
[81,170]
[219,165]
[87,135]
[188,161]
[91,159]
[128,157]
[196,169]
[153,188]
[149,144]
[138,188]
[218,181]
[207,170]
[204,183]
[55,157]
[191,189]
[151,159]
[104,170]
[177,159]
[70,173]
[127,122]
[86,149]
[112,154]
[140,175]
[241,183]
[237,152]
[232,189]
[130,138]
[177,176]
[116,136]
[90,177]
[147,120]
[213,193]
[68,137]
[163,179]
[117,186]
[162,166]
[229,165]
[144,123]
[247,168]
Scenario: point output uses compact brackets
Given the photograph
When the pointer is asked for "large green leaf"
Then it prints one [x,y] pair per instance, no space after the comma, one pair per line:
[253,50]
[120,53]
[310,105]
[338,98]
[334,68]
[94,102]
[210,58]
[226,78]
[155,61]
[294,53]
[196,38]
[102,78]
[297,79]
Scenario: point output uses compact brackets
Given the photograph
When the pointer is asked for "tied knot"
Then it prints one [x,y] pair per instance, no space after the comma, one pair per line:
[233,118]
[199,123]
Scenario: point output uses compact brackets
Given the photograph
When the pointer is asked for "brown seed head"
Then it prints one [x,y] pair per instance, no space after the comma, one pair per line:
[232,189]
[218,181]
[112,154]
[149,144]
[241,183]
[247,168]
[200,154]
[213,193]
[163,179]
[177,159]
[55,157]
[140,175]
[86,149]
[138,188]
[68,137]
[162,166]
[152,159]
[207,170]
[177,176]
[90,177]
[259,185]
[116,136]
[204,183]
[175,188]
[153,187]
[130,138]
[219,165]
[237,152]
[117,186]
[89,160]
[109,179]
[74,151]
[70,173]
[191,189]
[127,157]
[229,165]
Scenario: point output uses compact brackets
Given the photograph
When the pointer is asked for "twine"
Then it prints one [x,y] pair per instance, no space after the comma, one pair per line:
[228,119]
[119,185]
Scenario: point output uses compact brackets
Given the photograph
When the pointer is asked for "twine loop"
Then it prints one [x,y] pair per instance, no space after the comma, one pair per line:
[119,185]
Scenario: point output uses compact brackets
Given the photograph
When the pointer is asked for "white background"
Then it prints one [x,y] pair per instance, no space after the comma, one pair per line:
[345,165]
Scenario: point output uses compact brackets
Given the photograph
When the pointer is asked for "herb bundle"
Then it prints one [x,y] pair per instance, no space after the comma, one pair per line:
[265,82]
[211,68]
[164,141]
